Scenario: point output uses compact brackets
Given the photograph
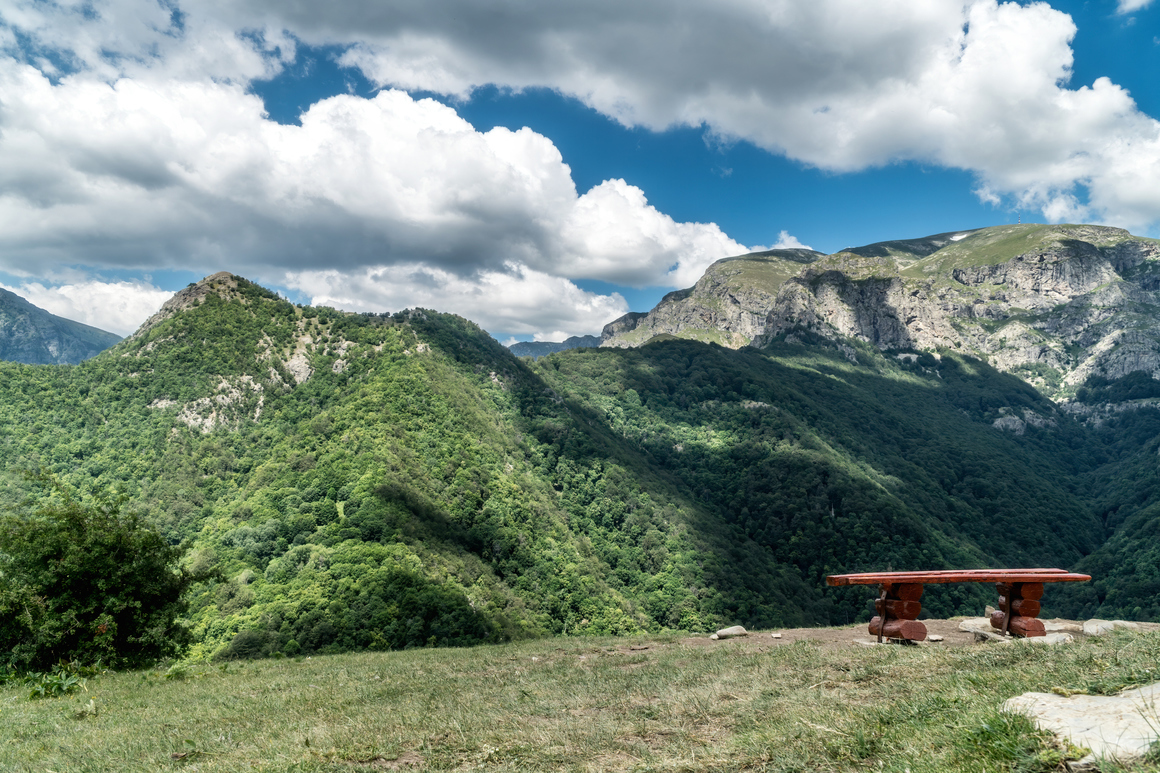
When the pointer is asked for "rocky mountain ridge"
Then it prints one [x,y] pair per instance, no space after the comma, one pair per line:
[222,284]
[536,349]
[33,336]
[1056,305]
[727,306]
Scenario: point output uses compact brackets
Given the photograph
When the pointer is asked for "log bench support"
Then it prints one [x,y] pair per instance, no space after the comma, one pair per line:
[1018,609]
[898,608]
[898,605]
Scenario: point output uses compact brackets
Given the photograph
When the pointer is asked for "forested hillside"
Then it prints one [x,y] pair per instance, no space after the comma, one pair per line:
[361,481]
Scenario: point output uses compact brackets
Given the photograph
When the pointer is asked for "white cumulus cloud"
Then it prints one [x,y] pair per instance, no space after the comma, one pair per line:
[128,136]
[118,307]
[518,300]
[180,172]
[840,84]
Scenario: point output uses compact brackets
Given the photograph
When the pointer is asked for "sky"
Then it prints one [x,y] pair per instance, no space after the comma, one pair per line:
[543,168]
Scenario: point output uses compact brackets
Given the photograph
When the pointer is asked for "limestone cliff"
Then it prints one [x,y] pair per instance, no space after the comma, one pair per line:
[1053,304]
[728,305]
[1057,305]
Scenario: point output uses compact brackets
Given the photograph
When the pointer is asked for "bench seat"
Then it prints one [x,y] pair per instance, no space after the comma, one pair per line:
[898,604]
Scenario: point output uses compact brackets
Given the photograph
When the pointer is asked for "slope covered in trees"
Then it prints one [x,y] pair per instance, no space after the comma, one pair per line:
[348,481]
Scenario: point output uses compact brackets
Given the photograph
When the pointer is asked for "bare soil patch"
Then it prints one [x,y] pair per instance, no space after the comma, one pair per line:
[855,636]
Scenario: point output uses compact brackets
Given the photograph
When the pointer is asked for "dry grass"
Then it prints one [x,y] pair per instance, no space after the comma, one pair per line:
[574,704]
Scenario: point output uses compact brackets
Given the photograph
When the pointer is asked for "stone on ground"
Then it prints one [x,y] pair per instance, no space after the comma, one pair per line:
[1052,638]
[731,631]
[1122,727]
[1064,626]
[1100,627]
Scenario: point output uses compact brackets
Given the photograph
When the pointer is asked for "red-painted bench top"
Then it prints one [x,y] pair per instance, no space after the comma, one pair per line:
[898,606]
[957,575]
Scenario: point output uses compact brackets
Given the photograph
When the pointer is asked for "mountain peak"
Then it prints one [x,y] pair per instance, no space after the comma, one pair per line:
[222,284]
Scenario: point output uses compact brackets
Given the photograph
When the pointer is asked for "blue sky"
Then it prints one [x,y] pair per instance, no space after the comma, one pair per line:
[351,158]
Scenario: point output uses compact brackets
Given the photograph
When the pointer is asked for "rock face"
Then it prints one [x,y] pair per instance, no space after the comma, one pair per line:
[31,335]
[1055,305]
[727,306]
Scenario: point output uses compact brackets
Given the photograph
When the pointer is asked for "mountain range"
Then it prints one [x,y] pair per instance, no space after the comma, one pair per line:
[380,481]
[1057,305]
[32,335]
[535,349]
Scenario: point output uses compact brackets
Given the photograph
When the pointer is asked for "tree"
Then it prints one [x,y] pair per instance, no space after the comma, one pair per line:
[84,581]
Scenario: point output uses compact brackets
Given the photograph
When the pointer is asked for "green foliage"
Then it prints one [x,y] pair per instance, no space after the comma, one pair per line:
[61,680]
[425,487]
[1135,386]
[87,582]
[1009,742]
[835,466]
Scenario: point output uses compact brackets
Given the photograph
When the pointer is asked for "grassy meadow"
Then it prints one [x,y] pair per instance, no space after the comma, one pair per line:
[577,704]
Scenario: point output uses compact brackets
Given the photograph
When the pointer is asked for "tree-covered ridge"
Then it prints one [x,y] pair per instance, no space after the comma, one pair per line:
[350,481]
[841,466]
[419,486]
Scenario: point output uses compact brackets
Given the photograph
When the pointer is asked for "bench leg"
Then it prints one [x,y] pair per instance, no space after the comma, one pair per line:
[1018,609]
[898,608]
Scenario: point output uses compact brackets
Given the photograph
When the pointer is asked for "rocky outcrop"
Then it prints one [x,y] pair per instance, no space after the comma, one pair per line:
[1120,727]
[224,284]
[1053,304]
[727,306]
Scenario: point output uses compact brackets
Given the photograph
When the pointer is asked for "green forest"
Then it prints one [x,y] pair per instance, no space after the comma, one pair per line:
[330,481]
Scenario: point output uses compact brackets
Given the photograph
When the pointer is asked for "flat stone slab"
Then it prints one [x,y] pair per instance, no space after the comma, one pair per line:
[1121,726]
[1100,627]
[1051,638]
[1062,626]
[981,627]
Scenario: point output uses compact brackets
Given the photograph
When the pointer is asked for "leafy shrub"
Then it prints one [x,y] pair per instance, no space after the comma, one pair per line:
[87,583]
[61,680]
[246,645]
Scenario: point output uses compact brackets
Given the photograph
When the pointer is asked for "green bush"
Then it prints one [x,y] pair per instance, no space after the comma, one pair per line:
[86,582]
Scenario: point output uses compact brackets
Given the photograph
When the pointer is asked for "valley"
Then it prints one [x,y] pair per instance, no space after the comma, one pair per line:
[350,481]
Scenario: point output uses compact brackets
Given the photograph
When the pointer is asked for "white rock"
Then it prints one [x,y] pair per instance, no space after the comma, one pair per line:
[731,631]
[1051,638]
[975,624]
[775,635]
[714,636]
[934,637]
[1100,627]
[1053,626]
[1121,726]
[981,628]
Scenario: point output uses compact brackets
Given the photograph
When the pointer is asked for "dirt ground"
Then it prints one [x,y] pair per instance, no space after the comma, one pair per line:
[858,635]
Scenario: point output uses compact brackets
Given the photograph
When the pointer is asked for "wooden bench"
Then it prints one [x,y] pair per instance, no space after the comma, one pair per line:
[898,603]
